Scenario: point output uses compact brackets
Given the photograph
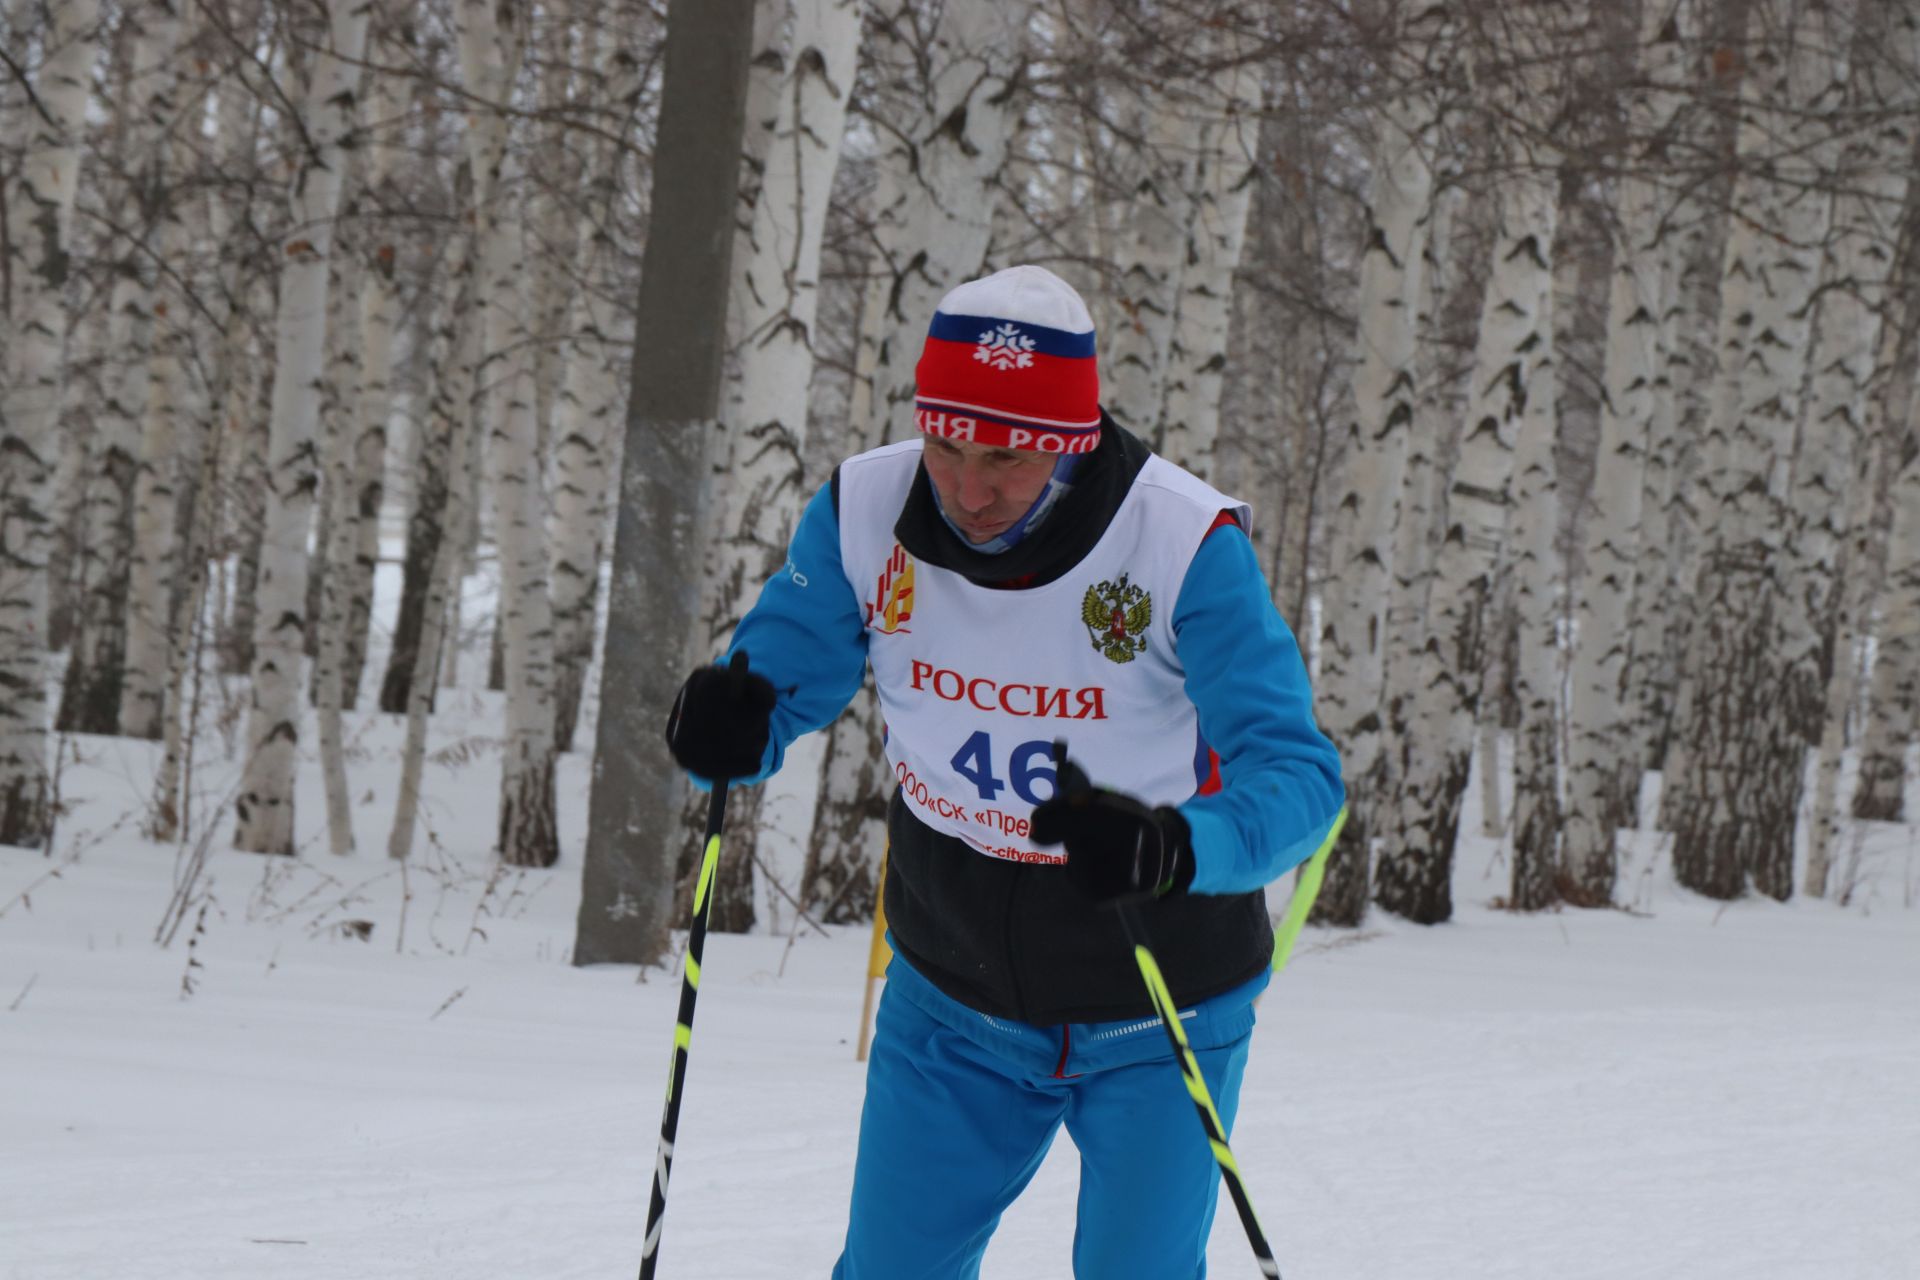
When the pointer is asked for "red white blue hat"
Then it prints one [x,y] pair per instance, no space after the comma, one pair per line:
[1009,362]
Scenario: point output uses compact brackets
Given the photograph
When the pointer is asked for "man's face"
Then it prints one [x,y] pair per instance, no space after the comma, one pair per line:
[984,489]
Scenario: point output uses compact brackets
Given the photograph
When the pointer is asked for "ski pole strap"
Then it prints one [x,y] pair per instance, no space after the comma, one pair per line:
[1163,1005]
[1304,894]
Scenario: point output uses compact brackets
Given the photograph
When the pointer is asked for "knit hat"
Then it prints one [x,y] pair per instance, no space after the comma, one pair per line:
[1009,363]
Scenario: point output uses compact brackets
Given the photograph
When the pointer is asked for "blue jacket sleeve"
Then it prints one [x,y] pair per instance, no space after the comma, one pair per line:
[1280,776]
[805,633]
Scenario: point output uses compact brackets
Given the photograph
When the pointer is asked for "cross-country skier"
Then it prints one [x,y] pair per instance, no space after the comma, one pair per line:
[1026,570]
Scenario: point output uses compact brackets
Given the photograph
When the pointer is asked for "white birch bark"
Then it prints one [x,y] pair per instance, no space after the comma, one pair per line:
[1603,766]
[39,205]
[1413,875]
[488,56]
[1669,506]
[1744,742]
[1153,223]
[1534,825]
[552,215]
[264,808]
[1432,445]
[170,812]
[1360,552]
[449,404]
[773,311]
[338,535]
[90,698]
[1215,237]
[379,309]
[586,412]
[443,582]
[1833,493]
[943,92]
[1893,696]
[453,424]
[152,561]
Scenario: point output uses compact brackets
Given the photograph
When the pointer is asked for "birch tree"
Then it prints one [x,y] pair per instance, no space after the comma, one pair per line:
[1603,766]
[1833,492]
[1216,235]
[587,406]
[152,559]
[1893,700]
[1413,878]
[1534,826]
[452,419]
[40,200]
[1360,528]
[264,807]
[490,55]
[1744,743]
[773,310]
[90,696]
[382,196]
[1155,213]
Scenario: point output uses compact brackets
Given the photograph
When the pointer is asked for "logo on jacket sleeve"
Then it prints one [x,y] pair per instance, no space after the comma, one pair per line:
[1117,615]
[892,602]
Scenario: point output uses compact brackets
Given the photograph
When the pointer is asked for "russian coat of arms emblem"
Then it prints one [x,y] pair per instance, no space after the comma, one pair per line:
[1117,615]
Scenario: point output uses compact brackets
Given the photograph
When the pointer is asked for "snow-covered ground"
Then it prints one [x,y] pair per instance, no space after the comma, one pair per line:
[1686,1090]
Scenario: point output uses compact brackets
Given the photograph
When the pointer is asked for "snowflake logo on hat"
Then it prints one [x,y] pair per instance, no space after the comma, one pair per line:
[1005,347]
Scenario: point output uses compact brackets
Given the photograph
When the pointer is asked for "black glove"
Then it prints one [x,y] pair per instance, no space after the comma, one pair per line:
[1118,850]
[720,723]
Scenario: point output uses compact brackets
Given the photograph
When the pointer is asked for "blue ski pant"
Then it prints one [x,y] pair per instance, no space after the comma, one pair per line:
[952,1132]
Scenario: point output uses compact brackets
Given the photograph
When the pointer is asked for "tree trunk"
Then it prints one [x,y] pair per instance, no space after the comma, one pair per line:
[1360,553]
[1414,879]
[633,826]
[90,698]
[775,300]
[39,200]
[451,408]
[379,313]
[264,809]
[586,413]
[489,57]
[1744,738]
[461,438]
[1216,234]
[1154,219]
[1894,693]
[154,561]
[1603,764]
[1834,495]
[1532,539]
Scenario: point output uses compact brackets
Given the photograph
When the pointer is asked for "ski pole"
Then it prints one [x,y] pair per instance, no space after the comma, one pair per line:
[1163,1005]
[689,992]
[1169,1014]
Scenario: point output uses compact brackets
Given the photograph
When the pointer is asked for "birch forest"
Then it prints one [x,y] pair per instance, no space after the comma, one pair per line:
[360,359]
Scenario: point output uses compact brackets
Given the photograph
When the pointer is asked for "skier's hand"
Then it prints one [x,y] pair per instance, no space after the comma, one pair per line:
[721,721]
[1118,850]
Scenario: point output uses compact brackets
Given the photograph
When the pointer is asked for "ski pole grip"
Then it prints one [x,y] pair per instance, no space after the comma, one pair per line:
[737,673]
